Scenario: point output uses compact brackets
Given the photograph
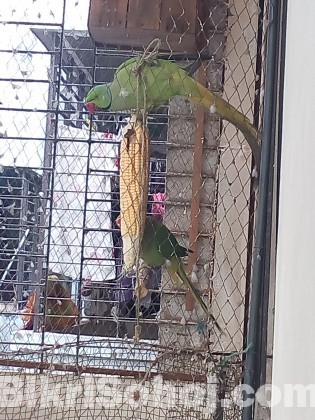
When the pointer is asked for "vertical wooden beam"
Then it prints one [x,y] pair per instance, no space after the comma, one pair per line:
[196,185]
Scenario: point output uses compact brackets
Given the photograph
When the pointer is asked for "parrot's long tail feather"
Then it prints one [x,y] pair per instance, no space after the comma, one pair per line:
[175,277]
[226,111]
[215,322]
[185,279]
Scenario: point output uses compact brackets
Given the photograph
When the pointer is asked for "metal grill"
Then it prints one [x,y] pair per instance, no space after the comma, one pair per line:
[59,186]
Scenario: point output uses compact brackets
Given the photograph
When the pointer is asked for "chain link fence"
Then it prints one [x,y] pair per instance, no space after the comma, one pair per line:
[75,341]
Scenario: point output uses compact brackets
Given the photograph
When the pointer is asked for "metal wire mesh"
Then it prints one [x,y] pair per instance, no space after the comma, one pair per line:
[67,348]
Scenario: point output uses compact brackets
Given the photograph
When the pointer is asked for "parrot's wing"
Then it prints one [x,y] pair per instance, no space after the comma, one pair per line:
[178,58]
[162,63]
[129,62]
[167,243]
[176,279]
[182,251]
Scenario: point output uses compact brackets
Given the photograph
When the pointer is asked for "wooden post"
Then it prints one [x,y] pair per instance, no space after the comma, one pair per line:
[196,185]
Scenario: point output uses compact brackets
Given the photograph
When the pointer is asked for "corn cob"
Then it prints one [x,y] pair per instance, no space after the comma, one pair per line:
[134,178]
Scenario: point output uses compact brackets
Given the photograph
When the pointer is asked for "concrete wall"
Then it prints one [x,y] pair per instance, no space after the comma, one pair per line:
[231,238]
[225,185]
[223,213]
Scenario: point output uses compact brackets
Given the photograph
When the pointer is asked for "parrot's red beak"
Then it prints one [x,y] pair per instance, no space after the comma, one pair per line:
[92,108]
[118,221]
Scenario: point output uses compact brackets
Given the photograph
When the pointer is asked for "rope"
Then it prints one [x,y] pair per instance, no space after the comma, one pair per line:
[138,262]
[147,55]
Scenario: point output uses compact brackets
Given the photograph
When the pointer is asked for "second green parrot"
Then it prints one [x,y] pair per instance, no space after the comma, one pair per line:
[144,84]
[160,247]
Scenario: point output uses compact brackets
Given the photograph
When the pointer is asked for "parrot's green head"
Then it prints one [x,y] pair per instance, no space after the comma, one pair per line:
[99,97]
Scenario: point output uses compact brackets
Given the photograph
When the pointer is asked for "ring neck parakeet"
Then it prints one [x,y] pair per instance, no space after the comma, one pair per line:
[145,84]
[159,246]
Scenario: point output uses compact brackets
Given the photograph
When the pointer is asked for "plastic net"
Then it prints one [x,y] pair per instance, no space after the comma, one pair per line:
[76,340]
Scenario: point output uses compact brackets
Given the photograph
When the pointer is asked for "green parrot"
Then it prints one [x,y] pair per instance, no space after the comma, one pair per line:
[145,84]
[158,247]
